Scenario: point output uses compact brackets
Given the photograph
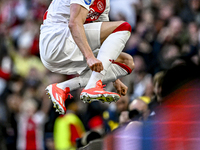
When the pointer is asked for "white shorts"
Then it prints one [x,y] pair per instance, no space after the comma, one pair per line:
[58,51]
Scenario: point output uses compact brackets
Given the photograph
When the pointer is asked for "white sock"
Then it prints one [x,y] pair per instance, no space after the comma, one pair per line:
[112,47]
[95,76]
[73,84]
[76,82]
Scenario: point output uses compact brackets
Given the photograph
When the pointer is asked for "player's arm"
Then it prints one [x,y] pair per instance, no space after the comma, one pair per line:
[78,16]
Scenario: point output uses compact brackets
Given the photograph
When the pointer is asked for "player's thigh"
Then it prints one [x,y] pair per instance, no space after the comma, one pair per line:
[107,28]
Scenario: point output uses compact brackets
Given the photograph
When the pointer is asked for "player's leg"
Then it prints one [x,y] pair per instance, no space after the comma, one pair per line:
[121,67]
[60,94]
[113,36]
[61,55]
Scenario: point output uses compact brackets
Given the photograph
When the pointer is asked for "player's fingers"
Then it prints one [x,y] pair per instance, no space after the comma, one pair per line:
[95,68]
[119,92]
[123,94]
[124,91]
[92,67]
[99,67]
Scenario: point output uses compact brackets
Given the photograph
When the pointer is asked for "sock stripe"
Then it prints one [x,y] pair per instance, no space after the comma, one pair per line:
[123,27]
[127,68]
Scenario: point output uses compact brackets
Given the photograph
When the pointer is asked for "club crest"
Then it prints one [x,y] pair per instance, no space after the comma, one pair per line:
[87,2]
[100,6]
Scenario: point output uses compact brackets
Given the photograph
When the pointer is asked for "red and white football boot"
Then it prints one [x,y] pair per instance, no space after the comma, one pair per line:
[58,97]
[98,93]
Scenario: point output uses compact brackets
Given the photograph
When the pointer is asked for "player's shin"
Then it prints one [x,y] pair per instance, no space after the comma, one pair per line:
[113,45]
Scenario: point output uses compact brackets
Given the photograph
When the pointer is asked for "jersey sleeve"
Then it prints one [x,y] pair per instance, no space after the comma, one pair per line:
[104,16]
[84,3]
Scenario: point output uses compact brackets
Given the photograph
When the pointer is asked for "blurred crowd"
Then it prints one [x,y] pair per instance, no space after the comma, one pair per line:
[164,45]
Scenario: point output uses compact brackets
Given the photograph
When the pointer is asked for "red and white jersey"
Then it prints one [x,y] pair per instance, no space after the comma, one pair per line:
[59,11]
[98,11]
[55,33]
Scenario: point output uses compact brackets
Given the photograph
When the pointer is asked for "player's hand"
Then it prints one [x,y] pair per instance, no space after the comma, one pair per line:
[95,64]
[120,87]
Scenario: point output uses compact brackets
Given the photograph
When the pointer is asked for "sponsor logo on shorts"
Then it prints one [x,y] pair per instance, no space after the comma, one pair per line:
[87,2]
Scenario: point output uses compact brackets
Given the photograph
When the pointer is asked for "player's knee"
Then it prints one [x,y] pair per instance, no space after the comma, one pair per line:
[126,59]
[129,61]
[123,26]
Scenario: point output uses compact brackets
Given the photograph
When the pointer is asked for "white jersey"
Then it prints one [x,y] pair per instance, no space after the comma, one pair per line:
[59,11]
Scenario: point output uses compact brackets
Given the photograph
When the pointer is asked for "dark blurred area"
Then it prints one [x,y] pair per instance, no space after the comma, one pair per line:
[160,110]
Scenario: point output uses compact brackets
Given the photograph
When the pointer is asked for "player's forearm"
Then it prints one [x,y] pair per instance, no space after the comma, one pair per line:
[78,33]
